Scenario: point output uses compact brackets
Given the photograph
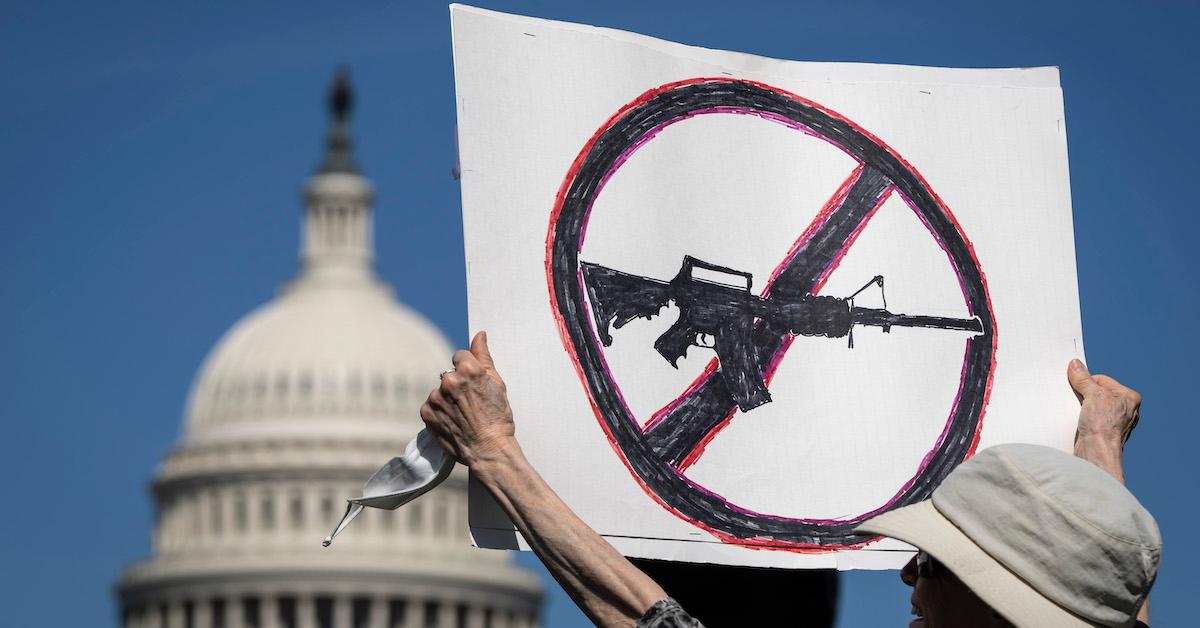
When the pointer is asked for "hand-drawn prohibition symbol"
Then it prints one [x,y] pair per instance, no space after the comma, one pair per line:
[658,453]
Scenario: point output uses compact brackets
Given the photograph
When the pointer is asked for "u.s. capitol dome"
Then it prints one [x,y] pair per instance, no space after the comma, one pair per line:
[292,410]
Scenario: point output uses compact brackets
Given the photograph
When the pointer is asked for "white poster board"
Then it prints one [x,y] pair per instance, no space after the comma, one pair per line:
[595,162]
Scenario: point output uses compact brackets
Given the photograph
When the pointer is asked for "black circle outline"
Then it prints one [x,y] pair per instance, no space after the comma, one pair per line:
[672,489]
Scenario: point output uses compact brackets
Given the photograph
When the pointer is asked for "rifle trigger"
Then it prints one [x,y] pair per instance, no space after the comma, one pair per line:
[705,341]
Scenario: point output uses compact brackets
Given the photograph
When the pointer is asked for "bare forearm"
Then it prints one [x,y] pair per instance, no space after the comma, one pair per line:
[1103,452]
[1106,453]
[606,586]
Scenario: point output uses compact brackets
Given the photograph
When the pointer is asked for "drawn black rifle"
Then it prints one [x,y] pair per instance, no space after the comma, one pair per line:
[725,313]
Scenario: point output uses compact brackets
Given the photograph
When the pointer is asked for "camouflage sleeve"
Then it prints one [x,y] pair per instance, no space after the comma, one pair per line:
[667,614]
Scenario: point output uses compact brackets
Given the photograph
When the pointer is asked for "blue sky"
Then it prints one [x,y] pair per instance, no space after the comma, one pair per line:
[152,158]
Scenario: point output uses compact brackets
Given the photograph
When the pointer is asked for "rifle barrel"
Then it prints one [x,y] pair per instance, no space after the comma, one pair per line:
[886,319]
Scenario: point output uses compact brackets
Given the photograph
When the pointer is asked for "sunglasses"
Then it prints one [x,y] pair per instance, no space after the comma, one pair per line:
[927,566]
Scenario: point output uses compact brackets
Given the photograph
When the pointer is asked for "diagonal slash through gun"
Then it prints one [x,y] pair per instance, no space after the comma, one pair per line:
[725,312]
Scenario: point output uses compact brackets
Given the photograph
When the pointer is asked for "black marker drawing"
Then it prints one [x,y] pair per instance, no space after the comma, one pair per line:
[658,452]
[726,313]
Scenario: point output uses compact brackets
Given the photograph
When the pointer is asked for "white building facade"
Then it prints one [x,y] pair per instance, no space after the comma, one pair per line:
[292,410]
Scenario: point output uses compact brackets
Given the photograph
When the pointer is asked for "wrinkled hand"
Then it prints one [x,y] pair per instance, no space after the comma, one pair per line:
[469,412]
[1108,413]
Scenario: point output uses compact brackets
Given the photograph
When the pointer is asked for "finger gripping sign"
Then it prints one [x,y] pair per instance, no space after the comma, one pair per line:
[657,454]
[741,304]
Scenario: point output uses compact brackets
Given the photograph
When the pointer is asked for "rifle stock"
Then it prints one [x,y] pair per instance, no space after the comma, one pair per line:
[618,297]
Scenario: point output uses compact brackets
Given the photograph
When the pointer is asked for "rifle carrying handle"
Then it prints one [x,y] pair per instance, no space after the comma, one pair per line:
[690,262]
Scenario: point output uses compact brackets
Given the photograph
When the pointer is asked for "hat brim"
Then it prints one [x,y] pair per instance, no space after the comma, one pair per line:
[923,526]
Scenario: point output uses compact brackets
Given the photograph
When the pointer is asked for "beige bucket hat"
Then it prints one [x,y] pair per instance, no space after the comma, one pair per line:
[1043,537]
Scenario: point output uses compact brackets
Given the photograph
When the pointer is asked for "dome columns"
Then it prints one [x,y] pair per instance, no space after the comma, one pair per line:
[283,607]
[338,226]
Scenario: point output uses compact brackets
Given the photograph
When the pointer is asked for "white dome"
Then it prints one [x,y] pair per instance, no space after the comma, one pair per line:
[343,354]
[335,355]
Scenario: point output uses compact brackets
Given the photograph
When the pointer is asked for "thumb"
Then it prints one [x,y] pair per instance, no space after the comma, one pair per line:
[479,348]
[1081,380]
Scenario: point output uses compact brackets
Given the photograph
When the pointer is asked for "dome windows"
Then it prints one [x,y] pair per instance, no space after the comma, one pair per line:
[281,387]
[241,519]
[305,385]
[297,510]
[267,511]
[378,388]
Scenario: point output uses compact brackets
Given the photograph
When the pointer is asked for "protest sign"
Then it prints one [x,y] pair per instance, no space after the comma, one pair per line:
[744,304]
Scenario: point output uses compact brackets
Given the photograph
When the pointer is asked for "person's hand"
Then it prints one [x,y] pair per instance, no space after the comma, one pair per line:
[1108,413]
[469,412]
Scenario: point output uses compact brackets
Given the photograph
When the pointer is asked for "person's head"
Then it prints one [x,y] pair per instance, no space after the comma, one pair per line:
[939,598]
[1026,535]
